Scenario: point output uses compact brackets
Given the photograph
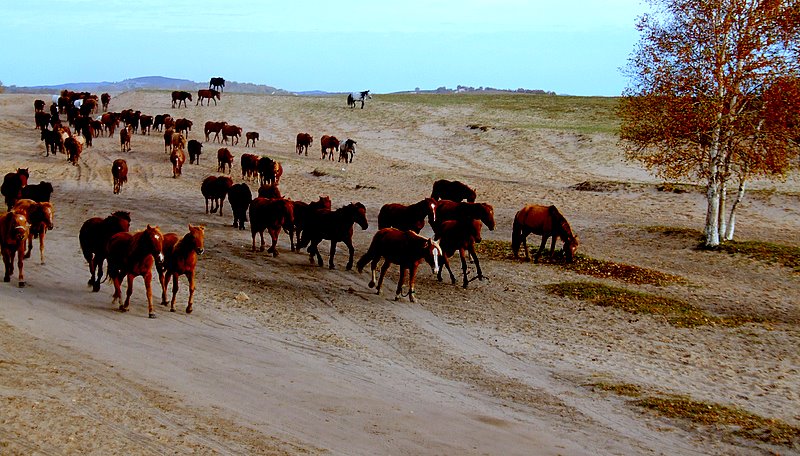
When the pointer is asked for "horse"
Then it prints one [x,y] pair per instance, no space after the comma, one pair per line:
[180,258]
[336,226]
[216,189]
[302,212]
[40,219]
[449,210]
[328,143]
[177,157]
[217,83]
[94,235]
[453,191]
[240,197]
[210,94]
[546,222]
[353,98]
[213,127]
[249,164]
[347,151]
[270,191]
[125,139]
[13,232]
[179,96]
[271,214]
[303,141]
[405,248]
[411,217]
[269,171]
[224,157]
[252,137]
[40,192]
[74,146]
[119,170]
[133,255]
[13,184]
[105,99]
[195,148]
[459,235]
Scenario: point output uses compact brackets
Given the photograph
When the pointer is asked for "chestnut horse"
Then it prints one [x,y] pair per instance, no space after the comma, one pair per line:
[133,255]
[179,96]
[271,214]
[453,191]
[209,94]
[449,210]
[405,217]
[546,222]
[180,258]
[13,232]
[94,236]
[407,249]
[336,226]
[119,170]
[460,235]
[177,157]
[40,219]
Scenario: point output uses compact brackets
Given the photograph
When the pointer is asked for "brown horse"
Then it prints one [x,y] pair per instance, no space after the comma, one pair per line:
[303,141]
[209,94]
[133,255]
[215,189]
[336,226]
[460,235]
[179,97]
[449,210]
[12,186]
[407,249]
[119,170]
[125,139]
[40,219]
[177,157]
[13,232]
[94,235]
[302,212]
[327,145]
[453,191]
[410,217]
[546,222]
[180,258]
[271,214]
[224,157]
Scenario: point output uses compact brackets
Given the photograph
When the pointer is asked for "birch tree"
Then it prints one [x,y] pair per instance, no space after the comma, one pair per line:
[707,96]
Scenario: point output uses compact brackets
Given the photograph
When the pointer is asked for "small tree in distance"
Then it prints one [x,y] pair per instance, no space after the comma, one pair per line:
[714,95]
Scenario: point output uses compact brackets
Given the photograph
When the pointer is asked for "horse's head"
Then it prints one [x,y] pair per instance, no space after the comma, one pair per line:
[433,251]
[324,201]
[215,94]
[155,242]
[487,215]
[571,244]
[431,207]
[365,94]
[360,215]
[198,235]
[48,215]
[469,194]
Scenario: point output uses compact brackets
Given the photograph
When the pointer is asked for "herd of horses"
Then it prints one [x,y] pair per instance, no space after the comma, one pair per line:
[452,212]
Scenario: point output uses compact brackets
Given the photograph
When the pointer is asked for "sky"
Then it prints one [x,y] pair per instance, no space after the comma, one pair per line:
[574,47]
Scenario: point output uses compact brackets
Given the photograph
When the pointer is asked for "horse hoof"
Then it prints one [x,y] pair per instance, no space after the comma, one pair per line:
[189,310]
[371,285]
[96,287]
[27,255]
[122,308]
[22,284]
[90,283]
[164,303]
[152,315]
[6,279]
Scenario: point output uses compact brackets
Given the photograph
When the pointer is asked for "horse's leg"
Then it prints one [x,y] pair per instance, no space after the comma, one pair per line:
[261,233]
[148,277]
[221,201]
[541,248]
[553,245]
[206,205]
[117,296]
[27,252]
[91,270]
[9,265]
[98,261]
[164,278]
[463,266]
[402,277]
[384,268]
[175,285]
[41,246]
[373,267]
[128,292]
[333,253]
[412,279]
[273,233]
[525,244]
[474,256]
[315,251]
[190,276]
[349,244]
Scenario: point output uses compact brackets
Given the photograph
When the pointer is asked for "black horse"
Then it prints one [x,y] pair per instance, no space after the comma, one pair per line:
[217,84]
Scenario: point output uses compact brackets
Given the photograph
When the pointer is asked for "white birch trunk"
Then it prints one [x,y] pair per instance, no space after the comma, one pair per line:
[732,217]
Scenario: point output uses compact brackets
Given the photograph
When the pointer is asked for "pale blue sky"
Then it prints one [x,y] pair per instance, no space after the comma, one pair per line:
[570,46]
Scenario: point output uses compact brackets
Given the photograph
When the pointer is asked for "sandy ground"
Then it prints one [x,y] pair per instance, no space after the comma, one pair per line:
[282,357]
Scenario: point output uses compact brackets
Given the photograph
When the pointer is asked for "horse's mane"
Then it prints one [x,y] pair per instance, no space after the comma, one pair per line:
[561,221]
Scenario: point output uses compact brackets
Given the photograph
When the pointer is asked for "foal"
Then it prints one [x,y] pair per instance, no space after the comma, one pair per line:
[180,258]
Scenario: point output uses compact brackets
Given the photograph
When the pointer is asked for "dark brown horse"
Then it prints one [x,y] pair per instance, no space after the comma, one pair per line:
[405,248]
[336,226]
[303,141]
[40,217]
[179,97]
[271,214]
[303,211]
[119,171]
[460,235]
[410,217]
[13,184]
[239,197]
[453,191]
[209,94]
[133,255]
[215,189]
[180,258]
[327,145]
[546,222]
[449,210]
[224,157]
[13,232]
[94,236]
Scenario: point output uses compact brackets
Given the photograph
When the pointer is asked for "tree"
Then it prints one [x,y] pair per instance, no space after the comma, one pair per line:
[708,96]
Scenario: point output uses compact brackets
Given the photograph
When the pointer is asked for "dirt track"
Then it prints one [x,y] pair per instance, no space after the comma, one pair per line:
[282,357]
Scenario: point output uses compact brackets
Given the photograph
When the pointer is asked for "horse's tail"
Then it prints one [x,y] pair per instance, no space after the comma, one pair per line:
[367,257]
[516,235]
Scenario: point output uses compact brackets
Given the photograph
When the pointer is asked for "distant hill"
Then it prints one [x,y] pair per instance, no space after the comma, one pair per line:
[146,83]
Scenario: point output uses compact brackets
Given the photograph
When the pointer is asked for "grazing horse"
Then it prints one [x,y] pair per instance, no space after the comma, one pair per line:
[453,191]
[180,258]
[119,170]
[215,189]
[179,96]
[355,97]
[252,137]
[133,255]
[303,141]
[224,157]
[13,232]
[209,94]
[410,217]
[546,222]
[336,226]
[40,219]
[460,235]
[94,235]
[12,186]
[177,157]
[271,214]
[240,196]
[217,83]
[449,210]
[328,143]
[303,211]
[407,249]
[347,151]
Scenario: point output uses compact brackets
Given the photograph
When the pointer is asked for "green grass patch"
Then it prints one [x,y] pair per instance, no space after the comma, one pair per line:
[676,312]
[767,252]
[501,250]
